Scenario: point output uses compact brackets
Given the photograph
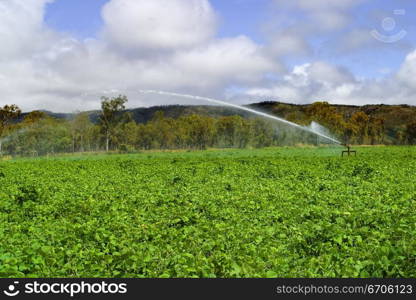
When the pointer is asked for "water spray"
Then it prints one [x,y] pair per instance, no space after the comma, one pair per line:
[253,111]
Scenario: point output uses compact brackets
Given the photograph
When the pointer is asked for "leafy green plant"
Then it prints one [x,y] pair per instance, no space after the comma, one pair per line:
[283,212]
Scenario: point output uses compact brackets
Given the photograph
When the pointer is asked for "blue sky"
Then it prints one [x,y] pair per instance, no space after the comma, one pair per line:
[82,18]
[66,53]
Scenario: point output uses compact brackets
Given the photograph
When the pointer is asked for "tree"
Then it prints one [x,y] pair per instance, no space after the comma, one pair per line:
[202,131]
[262,133]
[127,134]
[7,114]
[46,136]
[326,115]
[227,130]
[145,136]
[34,117]
[95,137]
[111,116]
[80,126]
[411,132]
[400,137]
[165,130]
[361,121]
[376,130]
[349,131]
[244,133]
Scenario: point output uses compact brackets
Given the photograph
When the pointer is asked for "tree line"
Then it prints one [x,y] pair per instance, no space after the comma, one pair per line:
[368,124]
[115,130]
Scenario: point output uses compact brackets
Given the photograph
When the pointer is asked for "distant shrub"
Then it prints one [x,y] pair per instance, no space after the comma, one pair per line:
[126,149]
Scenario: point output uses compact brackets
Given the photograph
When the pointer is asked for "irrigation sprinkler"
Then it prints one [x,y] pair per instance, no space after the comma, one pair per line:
[348,152]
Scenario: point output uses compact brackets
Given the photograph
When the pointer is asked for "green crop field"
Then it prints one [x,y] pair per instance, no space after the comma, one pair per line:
[280,212]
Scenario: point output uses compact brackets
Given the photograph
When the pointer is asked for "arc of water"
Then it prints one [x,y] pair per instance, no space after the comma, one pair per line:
[253,111]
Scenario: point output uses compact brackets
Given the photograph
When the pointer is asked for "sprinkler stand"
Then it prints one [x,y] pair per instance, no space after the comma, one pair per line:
[349,152]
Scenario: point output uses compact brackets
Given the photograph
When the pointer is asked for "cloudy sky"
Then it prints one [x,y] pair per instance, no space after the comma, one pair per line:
[62,55]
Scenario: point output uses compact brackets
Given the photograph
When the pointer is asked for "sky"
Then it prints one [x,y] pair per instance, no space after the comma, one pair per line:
[63,55]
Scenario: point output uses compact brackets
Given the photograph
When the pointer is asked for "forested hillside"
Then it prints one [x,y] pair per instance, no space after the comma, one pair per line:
[198,127]
[369,124]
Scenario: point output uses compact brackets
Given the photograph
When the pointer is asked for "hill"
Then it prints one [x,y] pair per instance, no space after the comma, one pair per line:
[394,115]
[368,124]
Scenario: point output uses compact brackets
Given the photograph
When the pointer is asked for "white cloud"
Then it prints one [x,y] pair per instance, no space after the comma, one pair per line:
[318,5]
[21,27]
[325,73]
[58,72]
[158,24]
[225,61]
[310,82]
[321,81]
[287,42]
[44,69]
[358,39]
[326,15]
[307,27]
[407,72]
